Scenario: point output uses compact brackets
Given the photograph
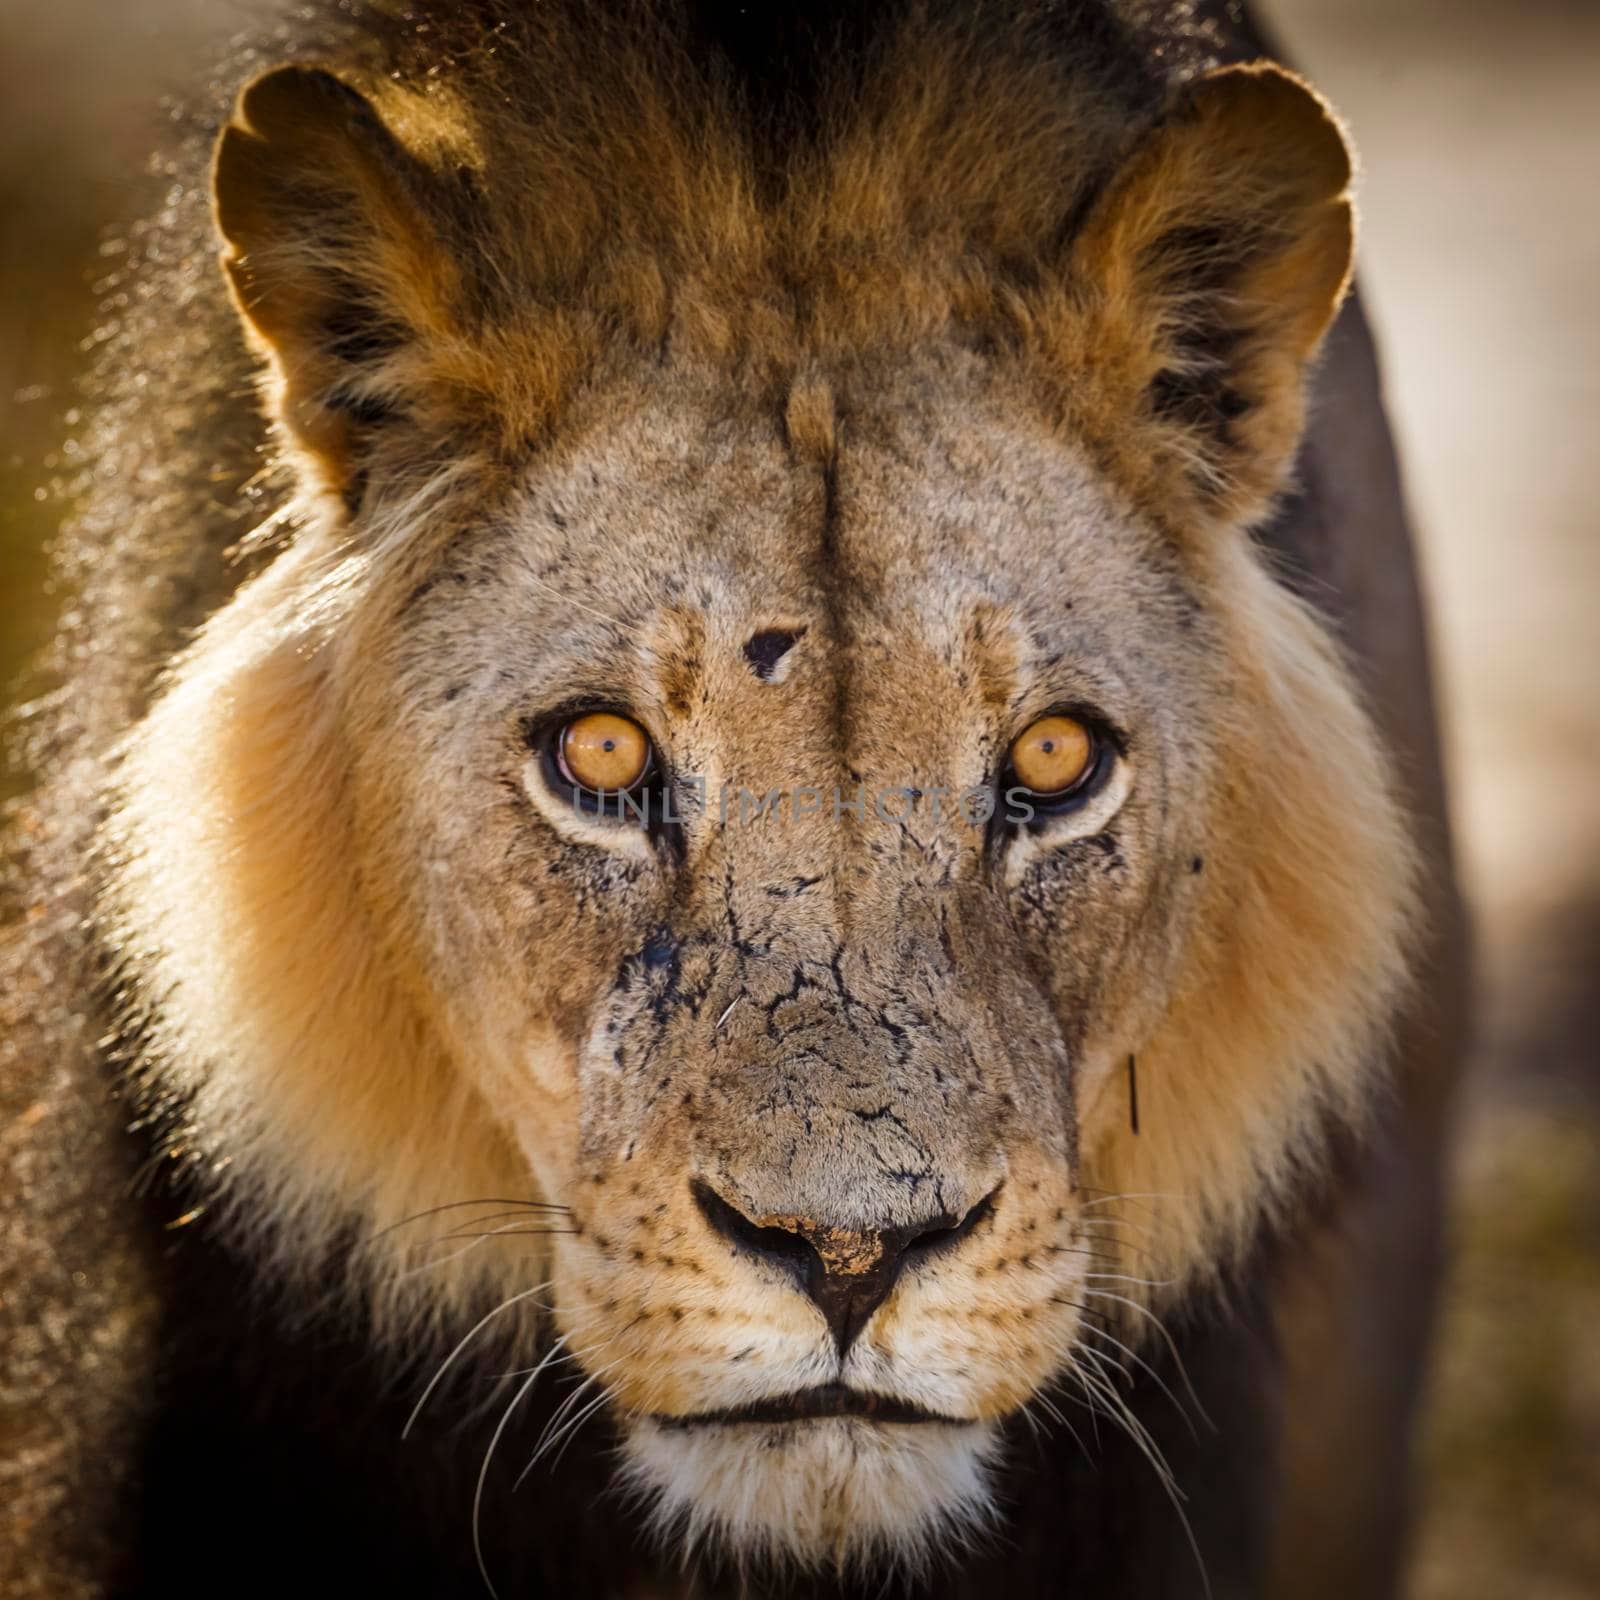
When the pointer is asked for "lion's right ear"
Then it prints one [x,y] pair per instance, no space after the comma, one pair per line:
[328,246]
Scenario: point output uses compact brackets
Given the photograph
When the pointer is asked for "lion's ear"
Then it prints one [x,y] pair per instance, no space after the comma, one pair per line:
[1203,280]
[328,246]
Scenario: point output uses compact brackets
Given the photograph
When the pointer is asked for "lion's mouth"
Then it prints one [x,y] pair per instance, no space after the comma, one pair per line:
[807,1405]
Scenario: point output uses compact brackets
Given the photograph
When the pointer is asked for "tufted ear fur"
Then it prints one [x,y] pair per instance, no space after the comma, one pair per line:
[1202,281]
[335,258]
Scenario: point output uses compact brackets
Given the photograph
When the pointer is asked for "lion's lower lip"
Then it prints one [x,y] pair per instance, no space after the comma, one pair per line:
[805,1405]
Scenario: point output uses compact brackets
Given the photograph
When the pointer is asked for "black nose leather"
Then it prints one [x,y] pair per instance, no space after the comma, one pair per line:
[847,1272]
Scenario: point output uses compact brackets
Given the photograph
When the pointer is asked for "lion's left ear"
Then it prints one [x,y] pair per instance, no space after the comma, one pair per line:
[331,245]
[1202,282]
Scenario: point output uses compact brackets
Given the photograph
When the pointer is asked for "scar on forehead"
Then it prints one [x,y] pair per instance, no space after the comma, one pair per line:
[765,650]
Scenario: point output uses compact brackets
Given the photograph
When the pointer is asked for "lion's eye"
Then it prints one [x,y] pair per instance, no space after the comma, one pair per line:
[603,752]
[1054,757]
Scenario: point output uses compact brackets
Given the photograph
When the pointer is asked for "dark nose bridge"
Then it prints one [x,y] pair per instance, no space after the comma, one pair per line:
[820,1139]
[848,1272]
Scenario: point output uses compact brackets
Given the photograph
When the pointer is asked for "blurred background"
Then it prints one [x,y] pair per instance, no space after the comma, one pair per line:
[1479,126]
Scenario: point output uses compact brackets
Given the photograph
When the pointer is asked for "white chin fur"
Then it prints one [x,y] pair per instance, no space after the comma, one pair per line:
[837,1492]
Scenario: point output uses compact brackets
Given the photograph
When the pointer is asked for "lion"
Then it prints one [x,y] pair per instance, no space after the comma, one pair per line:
[750,833]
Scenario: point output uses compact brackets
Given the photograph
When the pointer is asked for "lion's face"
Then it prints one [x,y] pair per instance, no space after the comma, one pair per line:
[831,1074]
[811,1085]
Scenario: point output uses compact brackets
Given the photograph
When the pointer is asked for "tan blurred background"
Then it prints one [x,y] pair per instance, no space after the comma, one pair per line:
[1479,125]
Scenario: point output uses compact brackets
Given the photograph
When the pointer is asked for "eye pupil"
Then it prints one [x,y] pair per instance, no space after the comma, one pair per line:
[603,752]
[1054,756]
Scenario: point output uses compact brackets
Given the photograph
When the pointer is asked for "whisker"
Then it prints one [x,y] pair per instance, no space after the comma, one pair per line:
[1141,1437]
[457,1205]
[1160,1382]
[1108,1198]
[1094,1258]
[483,1474]
[1119,1411]
[449,1360]
[1172,1348]
[1123,1277]
[1138,1229]
[522,1372]
[509,1231]
[1083,1405]
[520,1212]
[1118,1242]
[553,1426]
[574,1427]
[1057,1415]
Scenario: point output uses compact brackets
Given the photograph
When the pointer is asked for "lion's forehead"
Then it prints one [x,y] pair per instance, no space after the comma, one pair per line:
[945,553]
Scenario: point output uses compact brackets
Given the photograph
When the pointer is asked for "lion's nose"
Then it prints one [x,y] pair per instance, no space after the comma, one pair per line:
[847,1272]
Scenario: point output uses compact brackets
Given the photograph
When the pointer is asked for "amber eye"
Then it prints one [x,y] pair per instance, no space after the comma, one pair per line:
[603,751]
[1054,755]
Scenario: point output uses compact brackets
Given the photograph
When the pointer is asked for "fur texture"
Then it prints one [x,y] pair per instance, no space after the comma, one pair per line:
[588,372]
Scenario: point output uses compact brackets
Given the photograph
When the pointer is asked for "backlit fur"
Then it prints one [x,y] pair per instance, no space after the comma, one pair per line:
[976,396]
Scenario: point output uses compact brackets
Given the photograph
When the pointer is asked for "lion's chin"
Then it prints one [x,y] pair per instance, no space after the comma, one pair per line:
[840,1492]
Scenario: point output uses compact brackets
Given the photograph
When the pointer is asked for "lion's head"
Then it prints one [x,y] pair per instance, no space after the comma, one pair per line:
[582,816]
